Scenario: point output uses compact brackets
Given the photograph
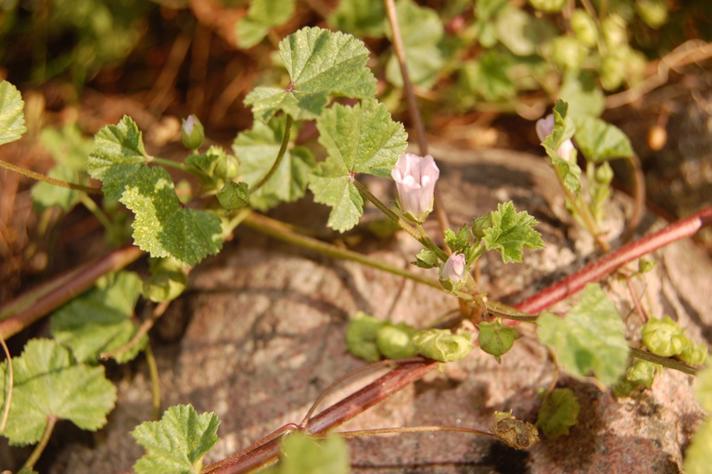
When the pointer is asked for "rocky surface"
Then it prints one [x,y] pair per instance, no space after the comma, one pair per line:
[264,337]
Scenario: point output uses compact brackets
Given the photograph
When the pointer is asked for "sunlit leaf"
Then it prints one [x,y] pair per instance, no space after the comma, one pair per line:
[600,141]
[261,17]
[12,116]
[509,232]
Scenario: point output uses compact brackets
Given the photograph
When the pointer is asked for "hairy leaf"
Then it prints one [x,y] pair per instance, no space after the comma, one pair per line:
[558,413]
[320,64]
[48,384]
[600,141]
[261,17]
[591,338]
[257,149]
[358,139]
[12,116]
[100,320]
[510,232]
[176,443]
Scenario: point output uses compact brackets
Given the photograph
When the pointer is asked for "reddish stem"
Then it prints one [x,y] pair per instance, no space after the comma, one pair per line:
[405,374]
[28,308]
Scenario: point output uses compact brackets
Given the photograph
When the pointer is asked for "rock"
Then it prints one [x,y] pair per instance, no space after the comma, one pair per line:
[266,336]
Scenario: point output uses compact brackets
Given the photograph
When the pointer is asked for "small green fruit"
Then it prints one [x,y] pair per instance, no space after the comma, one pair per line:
[664,337]
[584,28]
[567,53]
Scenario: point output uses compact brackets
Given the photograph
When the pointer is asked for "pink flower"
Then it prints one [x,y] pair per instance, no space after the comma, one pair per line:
[544,127]
[415,178]
[453,270]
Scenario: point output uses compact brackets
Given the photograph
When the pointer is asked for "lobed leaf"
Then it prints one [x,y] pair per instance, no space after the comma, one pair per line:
[176,443]
[559,412]
[261,17]
[12,116]
[510,232]
[49,384]
[590,339]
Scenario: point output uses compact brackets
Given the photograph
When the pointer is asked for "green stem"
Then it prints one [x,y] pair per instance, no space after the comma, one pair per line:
[664,361]
[416,232]
[37,452]
[278,159]
[96,210]
[169,163]
[155,382]
[583,212]
[48,179]
[281,231]
[9,384]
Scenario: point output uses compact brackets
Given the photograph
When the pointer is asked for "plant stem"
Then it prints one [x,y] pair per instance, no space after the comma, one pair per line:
[664,361]
[30,307]
[96,210]
[281,231]
[48,179]
[9,385]
[415,429]
[37,452]
[413,111]
[280,155]
[583,212]
[169,163]
[603,267]
[155,382]
[405,374]
[143,329]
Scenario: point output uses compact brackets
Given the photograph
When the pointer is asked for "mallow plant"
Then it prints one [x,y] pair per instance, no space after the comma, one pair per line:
[176,227]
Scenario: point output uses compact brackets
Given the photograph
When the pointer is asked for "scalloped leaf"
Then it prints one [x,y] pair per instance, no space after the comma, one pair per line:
[12,116]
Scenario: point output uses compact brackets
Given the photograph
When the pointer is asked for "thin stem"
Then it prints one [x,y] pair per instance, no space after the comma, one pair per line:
[143,329]
[155,382]
[48,179]
[96,210]
[9,385]
[37,452]
[280,155]
[414,429]
[664,361]
[281,231]
[413,111]
[583,212]
[169,163]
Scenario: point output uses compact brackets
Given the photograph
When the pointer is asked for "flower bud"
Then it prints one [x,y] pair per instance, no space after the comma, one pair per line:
[584,28]
[454,269]
[415,178]
[567,53]
[664,337]
[544,128]
[653,12]
[226,167]
[614,31]
[191,132]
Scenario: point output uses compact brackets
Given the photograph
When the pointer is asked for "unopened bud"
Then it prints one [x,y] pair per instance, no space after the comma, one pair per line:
[191,132]
[415,178]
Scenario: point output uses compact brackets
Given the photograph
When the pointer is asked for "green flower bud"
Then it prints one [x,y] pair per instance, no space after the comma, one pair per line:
[694,354]
[548,6]
[635,65]
[584,28]
[567,53]
[361,334]
[612,71]
[227,167]
[653,12]
[191,132]
[645,265]
[442,345]
[664,337]
[604,174]
[642,373]
[395,341]
[496,338]
[613,30]
[168,280]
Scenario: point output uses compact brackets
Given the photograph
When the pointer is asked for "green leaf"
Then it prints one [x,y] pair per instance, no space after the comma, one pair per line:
[522,33]
[320,64]
[167,281]
[302,454]
[358,139]
[697,456]
[100,320]
[234,196]
[361,334]
[442,344]
[590,339]
[118,155]
[600,141]
[496,338]
[46,195]
[567,169]
[426,258]
[421,32]
[257,149]
[485,13]
[488,77]
[510,232]
[162,227]
[176,443]
[703,388]
[12,116]
[48,384]
[360,17]
[261,17]
[558,413]
[581,92]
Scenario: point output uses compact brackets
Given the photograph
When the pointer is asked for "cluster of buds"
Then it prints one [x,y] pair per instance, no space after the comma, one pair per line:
[544,127]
